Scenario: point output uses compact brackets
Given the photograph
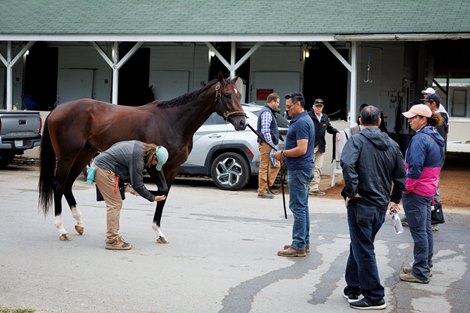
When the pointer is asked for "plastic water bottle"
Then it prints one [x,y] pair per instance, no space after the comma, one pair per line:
[396,222]
[91,175]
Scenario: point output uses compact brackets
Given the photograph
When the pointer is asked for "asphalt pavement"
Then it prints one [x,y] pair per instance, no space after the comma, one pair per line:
[221,256]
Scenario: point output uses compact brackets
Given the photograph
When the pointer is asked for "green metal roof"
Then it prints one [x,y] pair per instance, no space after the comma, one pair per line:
[229,18]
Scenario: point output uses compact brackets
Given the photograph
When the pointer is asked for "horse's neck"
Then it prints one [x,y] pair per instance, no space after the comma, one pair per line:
[194,116]
[189,116]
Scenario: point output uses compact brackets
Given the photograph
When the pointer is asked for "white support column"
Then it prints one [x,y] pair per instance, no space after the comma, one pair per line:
[247,55]
[115,58]
[233,54]
[218,55]
[352,68]
[9,79]
[9,63]
[353,94]
[115,64]
[232,67]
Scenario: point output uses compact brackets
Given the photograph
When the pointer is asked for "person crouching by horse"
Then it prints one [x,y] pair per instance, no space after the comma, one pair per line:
[125,160]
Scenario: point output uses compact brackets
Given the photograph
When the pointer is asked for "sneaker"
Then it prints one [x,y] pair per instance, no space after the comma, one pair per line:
[316,193]
[307,248]
[118,244]
[364,305]
[404,222]
[408,270]
[292,252]
[412,279]
[435,227]
[352,297]
[266,195]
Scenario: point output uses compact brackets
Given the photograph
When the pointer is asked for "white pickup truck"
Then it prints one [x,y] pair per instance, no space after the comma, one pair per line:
[19,130]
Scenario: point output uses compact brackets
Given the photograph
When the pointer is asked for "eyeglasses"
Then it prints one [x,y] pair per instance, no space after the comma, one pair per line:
[291,105]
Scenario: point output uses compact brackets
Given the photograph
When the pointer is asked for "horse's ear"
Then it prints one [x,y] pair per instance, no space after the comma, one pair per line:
[221,77]
[234,79]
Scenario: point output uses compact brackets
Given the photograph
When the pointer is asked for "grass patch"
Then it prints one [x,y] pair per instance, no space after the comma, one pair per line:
[10,310]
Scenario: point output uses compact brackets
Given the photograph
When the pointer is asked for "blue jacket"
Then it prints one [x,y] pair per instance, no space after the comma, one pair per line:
[424,160]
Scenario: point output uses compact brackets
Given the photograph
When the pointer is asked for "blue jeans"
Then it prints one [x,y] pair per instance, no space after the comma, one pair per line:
[298,181]
[418,215]
[362,275]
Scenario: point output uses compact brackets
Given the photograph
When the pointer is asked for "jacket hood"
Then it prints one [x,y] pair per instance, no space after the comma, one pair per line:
[379,139]
[432,131]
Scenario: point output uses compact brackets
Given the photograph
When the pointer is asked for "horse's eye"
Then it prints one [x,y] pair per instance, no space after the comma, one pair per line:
[227,96]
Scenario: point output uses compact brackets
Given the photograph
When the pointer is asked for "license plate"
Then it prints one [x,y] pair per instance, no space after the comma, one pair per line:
[18,143]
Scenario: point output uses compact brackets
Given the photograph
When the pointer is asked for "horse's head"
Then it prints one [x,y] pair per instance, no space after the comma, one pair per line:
[227,102]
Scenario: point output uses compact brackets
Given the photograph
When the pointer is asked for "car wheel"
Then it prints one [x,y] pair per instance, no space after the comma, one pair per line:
[230,171]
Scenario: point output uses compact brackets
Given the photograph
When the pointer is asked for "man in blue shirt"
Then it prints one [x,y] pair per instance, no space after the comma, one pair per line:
[298,153]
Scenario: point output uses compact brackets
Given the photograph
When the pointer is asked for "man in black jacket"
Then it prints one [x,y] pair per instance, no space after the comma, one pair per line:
[371,161]
[322,125]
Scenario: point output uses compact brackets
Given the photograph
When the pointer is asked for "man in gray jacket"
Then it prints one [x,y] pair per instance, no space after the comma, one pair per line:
[371,161]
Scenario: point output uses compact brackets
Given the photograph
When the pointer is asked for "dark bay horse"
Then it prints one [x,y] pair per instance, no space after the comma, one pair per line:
[75,131]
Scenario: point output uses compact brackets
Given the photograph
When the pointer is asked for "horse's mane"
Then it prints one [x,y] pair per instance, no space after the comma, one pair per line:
[187,97]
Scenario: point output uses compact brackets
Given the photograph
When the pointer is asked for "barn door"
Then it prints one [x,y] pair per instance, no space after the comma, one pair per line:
[74,84]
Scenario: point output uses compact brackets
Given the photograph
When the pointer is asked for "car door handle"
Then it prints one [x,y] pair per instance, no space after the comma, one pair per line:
[214,136]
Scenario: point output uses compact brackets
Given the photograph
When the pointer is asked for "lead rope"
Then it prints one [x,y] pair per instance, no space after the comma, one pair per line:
[283,168]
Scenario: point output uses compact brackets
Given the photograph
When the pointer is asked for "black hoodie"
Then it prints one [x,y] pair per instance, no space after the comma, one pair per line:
[371,161]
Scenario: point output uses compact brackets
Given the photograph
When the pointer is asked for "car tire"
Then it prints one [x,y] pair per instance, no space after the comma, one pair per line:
[230,171]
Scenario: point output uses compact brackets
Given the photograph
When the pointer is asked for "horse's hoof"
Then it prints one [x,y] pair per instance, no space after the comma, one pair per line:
[65,237]
[79,229]
[162,239]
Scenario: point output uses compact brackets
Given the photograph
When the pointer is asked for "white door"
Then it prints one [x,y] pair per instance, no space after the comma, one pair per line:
[74,84]
[279,82]
[169,84]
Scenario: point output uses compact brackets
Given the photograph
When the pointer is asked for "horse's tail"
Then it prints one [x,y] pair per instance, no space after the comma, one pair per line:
[47,163]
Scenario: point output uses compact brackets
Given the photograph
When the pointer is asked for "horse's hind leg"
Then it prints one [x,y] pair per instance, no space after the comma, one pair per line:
[63,186]
[82,159]
[76,213]
[64,235]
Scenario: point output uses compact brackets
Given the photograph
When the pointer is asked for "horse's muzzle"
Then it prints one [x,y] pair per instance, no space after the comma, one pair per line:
[239,122]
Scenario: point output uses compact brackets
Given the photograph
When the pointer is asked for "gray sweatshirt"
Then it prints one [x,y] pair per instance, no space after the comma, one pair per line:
[126,160]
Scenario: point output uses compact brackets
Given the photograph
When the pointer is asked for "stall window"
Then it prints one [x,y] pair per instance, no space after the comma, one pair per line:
[459,103]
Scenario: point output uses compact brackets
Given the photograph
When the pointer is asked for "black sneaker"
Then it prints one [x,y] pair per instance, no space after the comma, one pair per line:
[352,297]
[364,305]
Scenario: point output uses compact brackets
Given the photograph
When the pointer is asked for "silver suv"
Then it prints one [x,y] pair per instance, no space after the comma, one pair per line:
[227,156]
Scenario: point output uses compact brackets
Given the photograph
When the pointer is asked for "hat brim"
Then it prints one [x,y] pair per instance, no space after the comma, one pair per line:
[408,114]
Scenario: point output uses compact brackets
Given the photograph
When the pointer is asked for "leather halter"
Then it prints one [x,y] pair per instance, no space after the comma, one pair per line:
[226,114]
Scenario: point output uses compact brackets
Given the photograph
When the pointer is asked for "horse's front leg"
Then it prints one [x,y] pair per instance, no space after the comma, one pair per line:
[163,189]
[76,213]
[161,238]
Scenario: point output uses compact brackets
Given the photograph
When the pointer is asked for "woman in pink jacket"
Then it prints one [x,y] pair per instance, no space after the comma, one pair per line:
[424,160]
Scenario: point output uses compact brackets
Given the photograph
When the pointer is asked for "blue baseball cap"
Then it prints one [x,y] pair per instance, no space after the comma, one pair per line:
[161,155]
